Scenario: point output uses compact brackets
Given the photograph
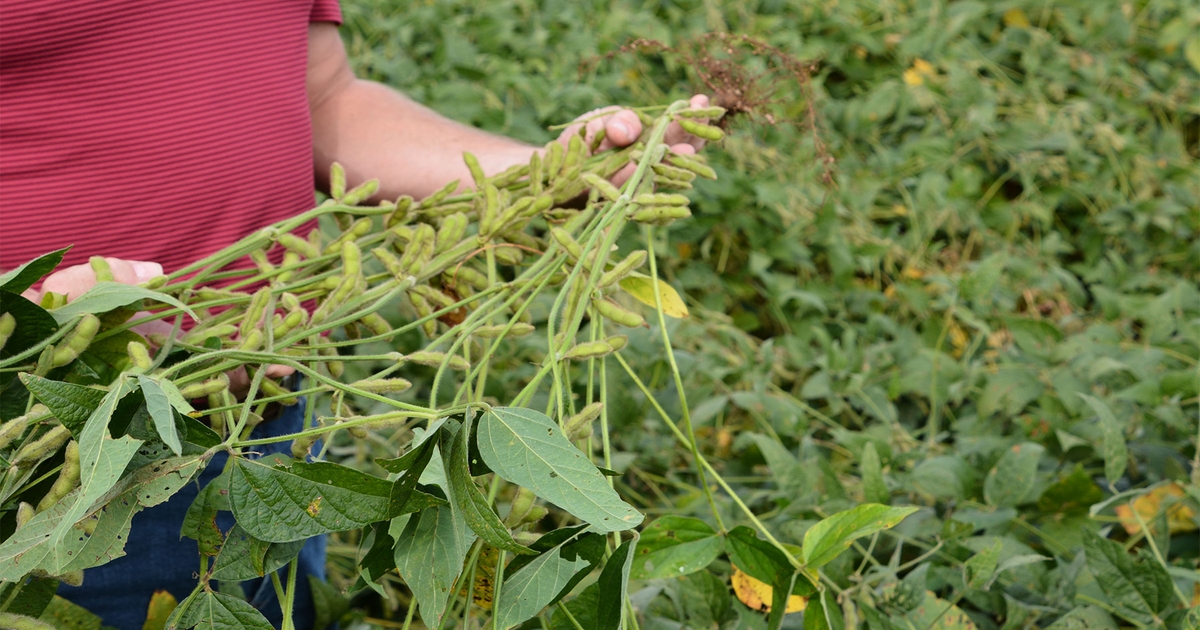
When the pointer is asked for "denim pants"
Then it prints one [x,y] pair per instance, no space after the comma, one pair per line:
[156,558]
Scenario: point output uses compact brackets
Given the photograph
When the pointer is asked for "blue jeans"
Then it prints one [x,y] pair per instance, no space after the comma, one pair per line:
[156,558]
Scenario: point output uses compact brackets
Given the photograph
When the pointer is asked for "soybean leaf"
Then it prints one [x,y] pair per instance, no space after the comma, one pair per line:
[1012,478]
[614,584]
[284,503]
[377,561]
[757,558]
[210,610]
[429,555]
[982,566]
[830,537]
[823,613]
[244,557]
[34,597]
[527,448]
[406,461]
[1137,589]
[71,404]
[1116,453]
[34,323]
[875,488]
[161,411]
[65,615]
[25,276]
[200,522]
[467,500]
[642,288]
[582,608]
[162,604]
[534,586]
[102,459]
[174,396]
[674,546]
[106,296]
[329,605]
[402,488]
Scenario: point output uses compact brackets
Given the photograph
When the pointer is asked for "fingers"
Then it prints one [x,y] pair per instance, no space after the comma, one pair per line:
[280,371]
[621,127]
[74,281]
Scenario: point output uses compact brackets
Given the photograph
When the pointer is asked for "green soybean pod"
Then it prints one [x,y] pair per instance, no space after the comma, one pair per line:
[673,172]
[25,512]
[468,275]
[555,154]
[52,300]
[382,385]
[68,477]
[41,448]
[510,175]
[707,113]
[290,258]
[693,164]
[301,246]
[336,368]
[337,181]
[15,428]
[661,199]
[579,426]
[451,232]
[701,130]
[375,323]
[437,197]
[207,388]
[399,213]
[602,185]
[361,228]
[251,341]
[8,324]
[476,170]
[611,310]
[259,257]
[418,250]
[435,297]
[490,213]
[360,193]
[77,341]
[197,337]
[574,154]
[522,504]
[510,256]
[390,262]
[255,311]
[139,356]
[668,183]
[101,268]
[424,309]
[616,342]
[303,444]
[435,359]
[335,298]
[622,269]
[568,242]
[289,322]
[351,260]
[271,389]
[537,174]
[588,350]
[659,215]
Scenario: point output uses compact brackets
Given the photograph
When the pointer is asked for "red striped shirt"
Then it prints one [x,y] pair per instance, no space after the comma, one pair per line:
[158,130]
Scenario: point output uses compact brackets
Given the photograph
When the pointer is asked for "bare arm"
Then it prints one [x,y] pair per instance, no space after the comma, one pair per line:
[376,132]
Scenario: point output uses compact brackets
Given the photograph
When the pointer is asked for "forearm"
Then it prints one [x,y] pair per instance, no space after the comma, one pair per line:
[376,132]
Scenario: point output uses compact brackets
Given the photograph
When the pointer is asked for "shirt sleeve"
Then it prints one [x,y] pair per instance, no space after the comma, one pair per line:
[325,11]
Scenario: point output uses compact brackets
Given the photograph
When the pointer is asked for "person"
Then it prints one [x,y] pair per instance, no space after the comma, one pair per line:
[154,132]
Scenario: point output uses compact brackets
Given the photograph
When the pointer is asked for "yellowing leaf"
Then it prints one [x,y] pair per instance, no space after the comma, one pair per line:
[757,594]
[1191,50]
[1017,18]
[485,578]
[912,77]
[917,74]
[642,289]
[1180,517]
[162,604]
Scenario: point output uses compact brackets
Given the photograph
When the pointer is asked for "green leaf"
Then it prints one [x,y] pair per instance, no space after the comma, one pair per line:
[429,555]
[1084,618]
[377,561]
[64,615]
[284,503]
[467,500]
[34,324]
[528,449]
[71,404]
[1116,453]
[830,537]
[875,488]
[244,557]
[34,597]
[983,278]
[200,522]
[329,605]
[674,546]
[535,585]
[1137,590]
[982,566]
[1191,52]
[106,296]
[822,613]
[1010,481]
[934,613]
[209,610]
[27,275]
[162,411]
[1073,494]
[614,586]
[757,558]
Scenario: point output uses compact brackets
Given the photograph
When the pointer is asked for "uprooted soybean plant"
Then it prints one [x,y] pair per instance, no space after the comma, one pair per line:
[101,421]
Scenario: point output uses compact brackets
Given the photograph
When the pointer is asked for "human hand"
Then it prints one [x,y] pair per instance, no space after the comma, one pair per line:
[74,281]
[622,128]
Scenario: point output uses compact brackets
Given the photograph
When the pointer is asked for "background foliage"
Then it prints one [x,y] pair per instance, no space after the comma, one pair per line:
[992,315]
